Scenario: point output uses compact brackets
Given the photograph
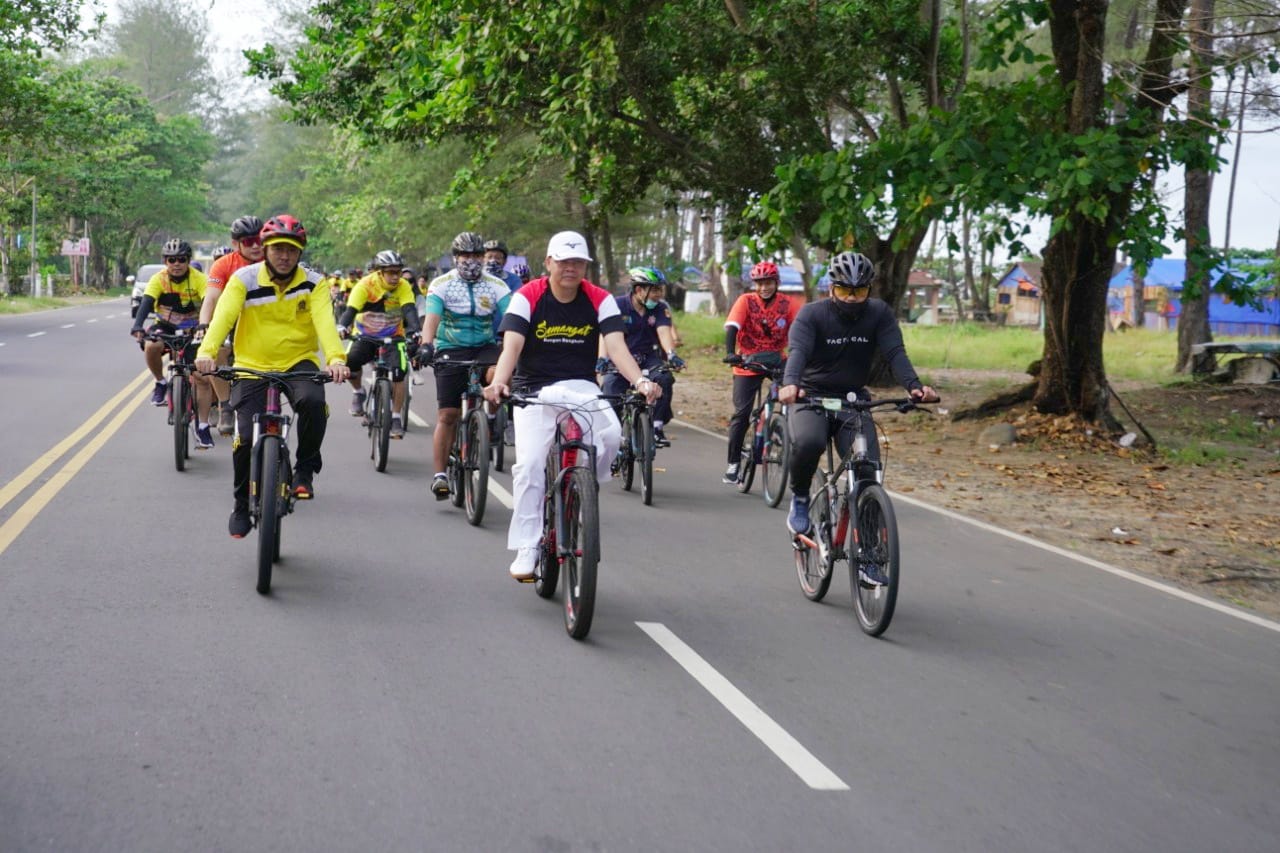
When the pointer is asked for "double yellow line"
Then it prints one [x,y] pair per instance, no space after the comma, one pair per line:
[26,513]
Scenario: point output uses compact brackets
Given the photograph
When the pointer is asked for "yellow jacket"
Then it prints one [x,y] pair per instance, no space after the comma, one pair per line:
[276,327]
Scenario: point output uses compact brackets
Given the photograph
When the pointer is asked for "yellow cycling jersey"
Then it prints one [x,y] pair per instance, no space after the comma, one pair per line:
[177,302]
[378,308]
[276,327]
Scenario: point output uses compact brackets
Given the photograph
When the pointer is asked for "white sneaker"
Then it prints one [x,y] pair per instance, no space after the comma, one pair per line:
[522,566]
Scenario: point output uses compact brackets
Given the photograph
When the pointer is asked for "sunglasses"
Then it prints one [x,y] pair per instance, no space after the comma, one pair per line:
[177,259]
[849,289]
[250,242]
[391,270]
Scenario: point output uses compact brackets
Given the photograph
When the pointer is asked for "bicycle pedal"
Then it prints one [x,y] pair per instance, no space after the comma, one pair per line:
[525,580]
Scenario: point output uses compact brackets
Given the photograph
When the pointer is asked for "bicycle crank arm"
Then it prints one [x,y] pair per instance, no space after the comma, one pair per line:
[801,541]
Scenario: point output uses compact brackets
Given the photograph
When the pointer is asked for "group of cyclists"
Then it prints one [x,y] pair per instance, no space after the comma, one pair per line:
[556,338]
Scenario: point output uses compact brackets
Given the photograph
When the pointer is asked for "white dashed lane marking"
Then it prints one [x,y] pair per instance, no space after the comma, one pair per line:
[68,325]
[35,334]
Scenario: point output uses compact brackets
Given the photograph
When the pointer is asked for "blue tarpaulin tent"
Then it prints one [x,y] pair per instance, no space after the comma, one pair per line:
[1162,290]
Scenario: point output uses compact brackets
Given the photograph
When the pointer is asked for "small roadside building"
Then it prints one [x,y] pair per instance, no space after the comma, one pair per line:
[1161,289]
[1018,294]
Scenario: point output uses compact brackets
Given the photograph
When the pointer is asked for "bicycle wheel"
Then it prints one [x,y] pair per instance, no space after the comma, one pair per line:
[286,489]
[499,443]
[644,450]
[269,510]
[747,463]
[775,459]
[178,393]
[408,396]
[814,565]
[873,560]
[381,423]
[627,464]
[475,471]
[582,532]
[547,573]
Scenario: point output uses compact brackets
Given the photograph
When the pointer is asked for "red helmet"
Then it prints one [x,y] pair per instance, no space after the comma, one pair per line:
[284,229]
[764,269]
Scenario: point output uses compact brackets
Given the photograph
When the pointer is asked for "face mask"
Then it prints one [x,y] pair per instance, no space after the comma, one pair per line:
[470,270]
[494,268]
[651,304]
[849,310]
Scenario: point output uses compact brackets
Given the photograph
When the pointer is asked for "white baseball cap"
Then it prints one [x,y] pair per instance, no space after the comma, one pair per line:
[566,245]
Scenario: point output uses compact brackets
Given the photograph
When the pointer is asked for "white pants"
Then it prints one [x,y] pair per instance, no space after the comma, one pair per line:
[535,428]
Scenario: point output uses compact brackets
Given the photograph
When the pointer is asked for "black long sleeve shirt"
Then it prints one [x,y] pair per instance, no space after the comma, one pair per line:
[830,355]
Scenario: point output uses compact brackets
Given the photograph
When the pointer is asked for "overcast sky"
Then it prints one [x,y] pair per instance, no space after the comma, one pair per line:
[237,25]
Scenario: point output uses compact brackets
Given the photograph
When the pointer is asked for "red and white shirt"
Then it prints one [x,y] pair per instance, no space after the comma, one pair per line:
[561,339]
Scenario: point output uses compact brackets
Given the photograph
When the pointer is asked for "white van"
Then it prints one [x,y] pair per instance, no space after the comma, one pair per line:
[140,285]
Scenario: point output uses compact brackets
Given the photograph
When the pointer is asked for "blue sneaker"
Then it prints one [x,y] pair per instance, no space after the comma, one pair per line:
[798,518]
[871,574]
[160,394]
[204,438]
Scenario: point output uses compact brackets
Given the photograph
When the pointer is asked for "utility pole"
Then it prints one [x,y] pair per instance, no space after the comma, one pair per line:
[35,285]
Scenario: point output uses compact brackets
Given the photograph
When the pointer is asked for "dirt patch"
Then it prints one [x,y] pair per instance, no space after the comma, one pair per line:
[1202,512]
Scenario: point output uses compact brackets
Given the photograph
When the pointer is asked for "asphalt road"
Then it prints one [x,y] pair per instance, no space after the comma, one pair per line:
[399,692]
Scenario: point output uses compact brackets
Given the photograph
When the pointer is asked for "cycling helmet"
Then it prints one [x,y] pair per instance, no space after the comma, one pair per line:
[523,271]
[409,272]
[198,265]
[387,258]
[764,269]
[852,269]
[468,243]
[220,251]
[646,277]
[496,246]
[245,226]
[284,229]
[175,248]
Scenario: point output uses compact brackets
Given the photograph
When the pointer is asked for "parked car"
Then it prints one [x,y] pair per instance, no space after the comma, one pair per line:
[140,285]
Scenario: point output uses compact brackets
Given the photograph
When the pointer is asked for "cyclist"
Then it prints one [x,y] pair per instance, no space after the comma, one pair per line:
[462,308]
[647,331]
[381,304]
[219,252]
[282,318]
[832,343]
[756,330]
[550,338]
[174,294]
[495,264]
[522,272]
[246,248]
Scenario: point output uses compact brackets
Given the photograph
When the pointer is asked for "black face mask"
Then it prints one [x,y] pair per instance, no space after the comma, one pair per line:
[849,310]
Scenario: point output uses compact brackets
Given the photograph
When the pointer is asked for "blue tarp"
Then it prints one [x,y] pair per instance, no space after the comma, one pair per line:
[1171,273]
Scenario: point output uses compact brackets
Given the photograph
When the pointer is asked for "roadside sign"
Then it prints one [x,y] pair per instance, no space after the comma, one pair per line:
[76,247]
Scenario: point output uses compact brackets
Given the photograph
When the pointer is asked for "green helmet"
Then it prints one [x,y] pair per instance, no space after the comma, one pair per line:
[646,277]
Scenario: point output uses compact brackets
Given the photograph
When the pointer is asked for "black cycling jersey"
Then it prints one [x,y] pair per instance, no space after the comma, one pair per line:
[830,353]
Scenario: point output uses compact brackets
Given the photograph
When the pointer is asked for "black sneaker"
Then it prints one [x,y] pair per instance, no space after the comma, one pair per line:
[240,523]
[660,438]
[730,475]
[302,488]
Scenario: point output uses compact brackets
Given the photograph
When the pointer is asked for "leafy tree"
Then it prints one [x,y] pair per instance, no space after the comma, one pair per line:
[161,46]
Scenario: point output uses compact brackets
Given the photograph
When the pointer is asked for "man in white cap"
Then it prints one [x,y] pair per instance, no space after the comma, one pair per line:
[552,328]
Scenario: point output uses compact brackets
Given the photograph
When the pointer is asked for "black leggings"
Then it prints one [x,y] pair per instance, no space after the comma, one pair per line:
[744,397]
[249,398]
[810,430]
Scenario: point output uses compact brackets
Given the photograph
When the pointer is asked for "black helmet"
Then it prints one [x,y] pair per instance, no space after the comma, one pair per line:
[468,243]
[220,251]
[176,247]
[852,269]
[387,258]
[496,246]
[245,226]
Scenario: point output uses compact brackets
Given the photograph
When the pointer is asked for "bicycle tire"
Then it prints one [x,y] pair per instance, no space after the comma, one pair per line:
[873,560]
[455,467]
[268,510]
[775,459]
[627,464]
[546,573]
[814,566]
[408,396]
[645,452]
[582,530]
[747,463]
[499,443]
[178,406]
[475,472]
[381,423]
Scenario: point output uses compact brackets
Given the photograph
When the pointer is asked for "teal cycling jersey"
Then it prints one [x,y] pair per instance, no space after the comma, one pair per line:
[467,311]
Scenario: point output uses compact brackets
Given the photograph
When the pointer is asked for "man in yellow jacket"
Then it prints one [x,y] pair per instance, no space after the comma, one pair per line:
[282,316]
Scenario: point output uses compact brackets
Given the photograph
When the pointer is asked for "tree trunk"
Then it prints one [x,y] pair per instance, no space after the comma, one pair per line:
[1193,323]
[892,271]
[1235,159]
[605,238]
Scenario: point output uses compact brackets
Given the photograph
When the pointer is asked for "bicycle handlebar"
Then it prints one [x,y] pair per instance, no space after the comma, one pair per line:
[902,404]
[773,371]
[278,376]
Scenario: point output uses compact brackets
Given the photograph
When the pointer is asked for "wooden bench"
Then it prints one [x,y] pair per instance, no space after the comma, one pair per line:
[1258,362]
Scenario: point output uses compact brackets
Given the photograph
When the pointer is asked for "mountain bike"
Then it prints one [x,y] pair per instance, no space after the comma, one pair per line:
[388,364]
[182,403]
[870,544]
[570,517]
[468,465]
[270,472]
[769,443]
[638,447]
